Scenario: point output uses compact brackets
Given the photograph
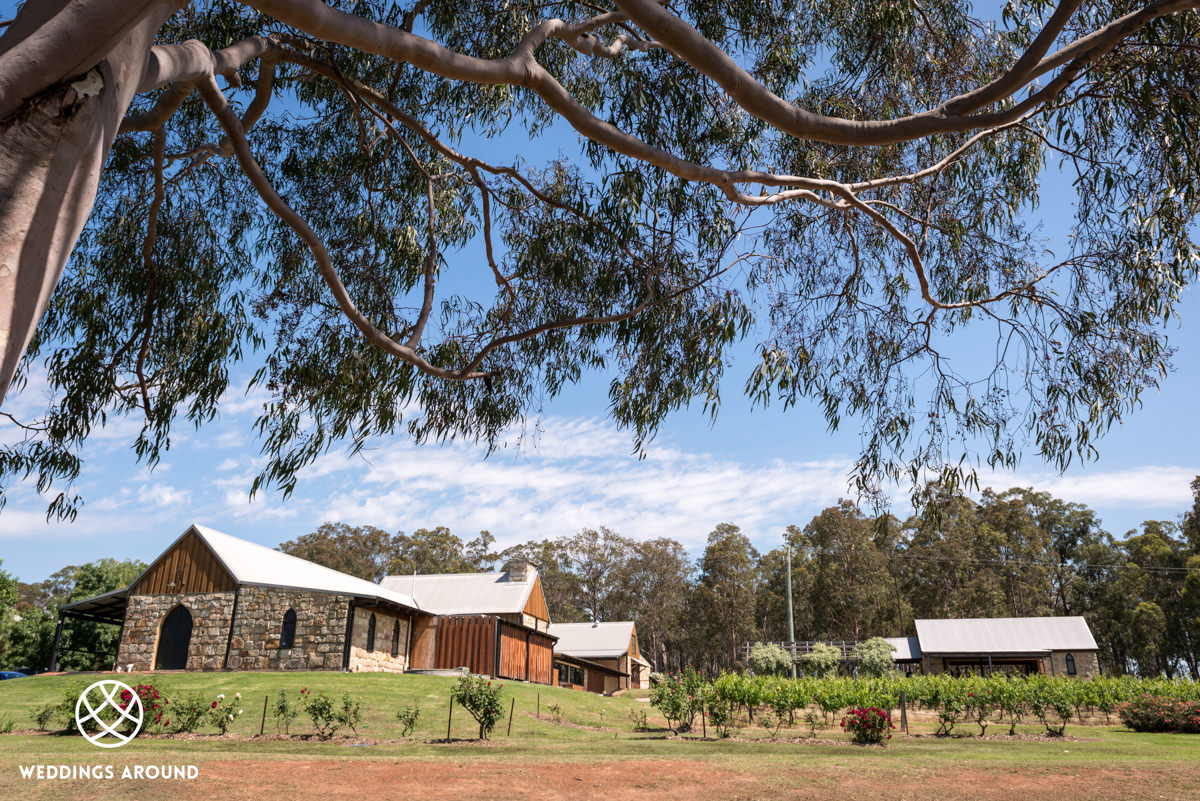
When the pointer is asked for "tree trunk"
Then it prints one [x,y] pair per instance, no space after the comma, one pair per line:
[68,72]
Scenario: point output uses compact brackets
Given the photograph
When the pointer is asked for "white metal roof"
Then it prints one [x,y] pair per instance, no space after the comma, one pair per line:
[1014,635]
[906,648]
[250,563]
[592,640]
[465,593]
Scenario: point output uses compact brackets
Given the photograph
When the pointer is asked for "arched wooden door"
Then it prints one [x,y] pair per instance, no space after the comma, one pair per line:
[173,640]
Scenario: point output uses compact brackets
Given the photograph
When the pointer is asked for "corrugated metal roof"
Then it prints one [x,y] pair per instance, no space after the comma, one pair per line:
[592,639]
[1014,635]
[465,593]
[906,648]
[250,563]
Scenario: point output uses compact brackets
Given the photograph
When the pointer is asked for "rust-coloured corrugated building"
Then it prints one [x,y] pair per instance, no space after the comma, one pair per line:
[494,624]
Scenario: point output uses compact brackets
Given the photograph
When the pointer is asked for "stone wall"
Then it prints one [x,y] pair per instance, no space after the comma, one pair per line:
[379,659]
[210,629]
[320,630]
[1086,664]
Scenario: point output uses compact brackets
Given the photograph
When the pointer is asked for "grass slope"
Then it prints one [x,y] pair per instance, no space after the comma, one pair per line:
[591,733]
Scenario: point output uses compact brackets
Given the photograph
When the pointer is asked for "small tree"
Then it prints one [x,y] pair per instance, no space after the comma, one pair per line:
[477,695]
[769,659]
[822,661]
[285,711]
[875,657]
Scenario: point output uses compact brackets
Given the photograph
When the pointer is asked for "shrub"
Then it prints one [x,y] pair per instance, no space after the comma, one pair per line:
[350,713]
[769,659]
[154,705]
[1152,713]
[408,716]
[43,715]
[322,713]
[822,661]
[284,712]
[555,711]
[679,697]
[875,658]
[481,699]
[188,713]
[222,713]
[868,724]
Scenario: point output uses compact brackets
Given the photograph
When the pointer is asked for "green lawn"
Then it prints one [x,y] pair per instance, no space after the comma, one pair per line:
[592,736]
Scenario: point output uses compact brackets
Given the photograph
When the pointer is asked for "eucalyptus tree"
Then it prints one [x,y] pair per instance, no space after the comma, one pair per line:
[850,183]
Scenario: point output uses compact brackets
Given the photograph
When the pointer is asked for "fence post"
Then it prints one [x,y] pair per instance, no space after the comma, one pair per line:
[539,707]
[263,725]
[510,714]
[449,717]
[904,711]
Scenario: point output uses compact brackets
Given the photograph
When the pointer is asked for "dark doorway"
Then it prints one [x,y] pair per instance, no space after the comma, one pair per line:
[173,640]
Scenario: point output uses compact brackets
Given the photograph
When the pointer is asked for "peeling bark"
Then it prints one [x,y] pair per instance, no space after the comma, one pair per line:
[54,139]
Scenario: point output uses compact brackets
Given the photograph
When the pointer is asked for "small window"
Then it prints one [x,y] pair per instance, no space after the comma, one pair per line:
[564,674]
[577,676]
[287,638]
[1070,664]
[371,633]
[396,639]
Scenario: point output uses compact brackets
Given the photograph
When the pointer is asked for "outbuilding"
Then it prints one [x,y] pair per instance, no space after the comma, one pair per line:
[493,624]
[612,646]
[1053,646]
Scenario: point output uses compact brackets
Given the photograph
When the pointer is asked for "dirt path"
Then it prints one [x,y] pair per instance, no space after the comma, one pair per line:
[644,780]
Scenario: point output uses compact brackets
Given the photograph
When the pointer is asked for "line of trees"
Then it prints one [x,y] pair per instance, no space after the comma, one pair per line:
[1016,553]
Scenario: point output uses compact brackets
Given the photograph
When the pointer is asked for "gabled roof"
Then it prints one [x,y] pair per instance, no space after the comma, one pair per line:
[907,648]
[593,640]
[250,563]
[465,593]
[1012,635]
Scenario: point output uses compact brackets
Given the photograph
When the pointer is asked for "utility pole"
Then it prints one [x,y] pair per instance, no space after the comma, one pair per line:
[791,618]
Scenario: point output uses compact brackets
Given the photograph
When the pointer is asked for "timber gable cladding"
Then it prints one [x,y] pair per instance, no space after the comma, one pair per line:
[188,566]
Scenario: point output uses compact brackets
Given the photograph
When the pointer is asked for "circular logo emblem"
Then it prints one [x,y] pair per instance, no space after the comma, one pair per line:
[106,706]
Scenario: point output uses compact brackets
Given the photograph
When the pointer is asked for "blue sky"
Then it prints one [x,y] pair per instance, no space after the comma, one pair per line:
[569,469]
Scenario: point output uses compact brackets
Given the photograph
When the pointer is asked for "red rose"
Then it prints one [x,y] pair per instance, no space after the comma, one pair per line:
[214,706]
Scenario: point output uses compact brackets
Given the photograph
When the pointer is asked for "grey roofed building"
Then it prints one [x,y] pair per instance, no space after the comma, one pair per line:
[211,601]
[588,640]
[611,644]
[1012,635]
[517,591]
[908,649]
[1048,645]
[257,565]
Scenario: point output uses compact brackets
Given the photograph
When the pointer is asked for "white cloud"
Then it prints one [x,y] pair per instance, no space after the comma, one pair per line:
[1149,486]
[579,475]
[163,495]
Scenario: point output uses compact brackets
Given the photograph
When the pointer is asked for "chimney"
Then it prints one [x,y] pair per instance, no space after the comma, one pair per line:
[520,570]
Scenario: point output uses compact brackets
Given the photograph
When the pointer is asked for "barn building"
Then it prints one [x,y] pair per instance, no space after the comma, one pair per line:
[599,657]
[494,624]
[1053,646]
[211,601]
